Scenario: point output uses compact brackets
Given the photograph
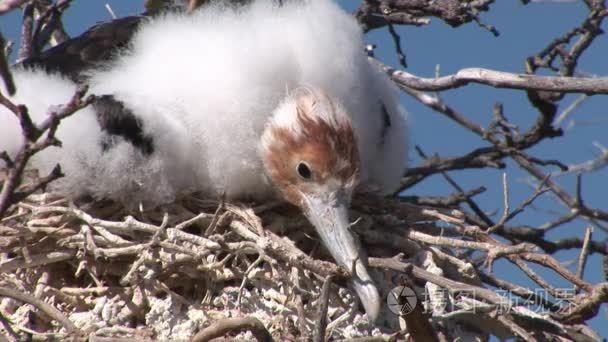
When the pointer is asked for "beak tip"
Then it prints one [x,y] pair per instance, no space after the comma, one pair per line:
[331,222]
[368,294]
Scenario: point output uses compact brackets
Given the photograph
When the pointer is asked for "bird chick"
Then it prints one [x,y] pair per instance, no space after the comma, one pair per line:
[255,102]
[309,150]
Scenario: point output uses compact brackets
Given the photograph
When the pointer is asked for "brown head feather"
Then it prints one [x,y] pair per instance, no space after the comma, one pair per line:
[325,142]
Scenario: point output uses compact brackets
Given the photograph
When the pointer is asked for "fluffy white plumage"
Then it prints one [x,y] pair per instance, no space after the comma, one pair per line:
[216,92]
[79,135]
[204,86]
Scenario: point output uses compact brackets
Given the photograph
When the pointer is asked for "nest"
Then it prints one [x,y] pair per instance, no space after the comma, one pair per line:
[97,270]
[165,272]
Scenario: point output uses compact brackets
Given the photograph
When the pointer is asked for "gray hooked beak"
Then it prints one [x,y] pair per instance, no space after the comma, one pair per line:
[329,215]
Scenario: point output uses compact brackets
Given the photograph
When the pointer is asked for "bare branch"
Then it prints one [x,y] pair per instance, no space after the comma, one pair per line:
[5,73]
[9,5]
[501,79]
[227,325]
[375,13]
[582,258]
[319,334]
[44,307]
[31,145]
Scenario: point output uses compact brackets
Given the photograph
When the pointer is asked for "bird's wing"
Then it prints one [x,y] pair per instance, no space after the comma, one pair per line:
[96,45]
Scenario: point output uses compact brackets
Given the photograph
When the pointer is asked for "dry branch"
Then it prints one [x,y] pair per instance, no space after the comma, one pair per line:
[9,5]
[44,307]
[231,325]
[500,79]
[5,73]
[32,144]
[373,14]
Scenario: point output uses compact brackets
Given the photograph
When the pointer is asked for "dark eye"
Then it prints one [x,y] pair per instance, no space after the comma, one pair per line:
[304,170]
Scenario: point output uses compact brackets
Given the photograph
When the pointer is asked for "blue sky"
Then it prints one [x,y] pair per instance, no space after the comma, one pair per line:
[524,30]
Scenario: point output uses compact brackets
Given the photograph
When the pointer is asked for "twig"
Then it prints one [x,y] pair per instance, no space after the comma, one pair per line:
[570,109]
[30,146]
[452,200]
[505,212]
[470,202]
[500,79]
[280,248]
[9,5]
[582,258]
[44,307]
[520,291]
[227,325]
[496,250]
[540,189]
[585,306]
[373,14]
[5,72]
[35,260]
[216,216]
[8,328]
[397,42]
[48,24]
[488,27]
[515,328]
[319,332]
[449,284]
[109,9]
[590,165]
[251,267]
[194,4]
[27,49]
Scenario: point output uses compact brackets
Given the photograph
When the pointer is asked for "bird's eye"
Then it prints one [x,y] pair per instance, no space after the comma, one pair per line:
[304,170]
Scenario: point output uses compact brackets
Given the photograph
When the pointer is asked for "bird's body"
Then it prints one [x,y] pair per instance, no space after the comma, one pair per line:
[221,98]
